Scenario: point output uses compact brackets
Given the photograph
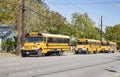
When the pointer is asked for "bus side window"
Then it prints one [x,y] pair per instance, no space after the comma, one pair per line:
[66,40]
[60,40]
[55,40]
[50,40]
[44,39]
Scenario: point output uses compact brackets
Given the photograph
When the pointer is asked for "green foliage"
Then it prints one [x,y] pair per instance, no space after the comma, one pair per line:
[47,20]
[73,43]
[8,11]
[113,34]
[86,25]
[8,45]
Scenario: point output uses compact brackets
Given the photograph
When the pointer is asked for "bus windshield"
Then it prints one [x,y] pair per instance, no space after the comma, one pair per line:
[82,43]
[33,39]
[105,44]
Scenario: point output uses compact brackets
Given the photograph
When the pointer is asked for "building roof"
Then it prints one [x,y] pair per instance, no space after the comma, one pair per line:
[4,29]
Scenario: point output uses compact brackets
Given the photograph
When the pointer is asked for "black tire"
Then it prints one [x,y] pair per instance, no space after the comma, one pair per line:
[95,52]
[23,55]
[75,52]
[107,51]
[47,54]
[101,51]
[113,52]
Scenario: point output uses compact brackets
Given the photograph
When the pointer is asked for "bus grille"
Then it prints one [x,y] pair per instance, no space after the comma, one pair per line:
[28,47]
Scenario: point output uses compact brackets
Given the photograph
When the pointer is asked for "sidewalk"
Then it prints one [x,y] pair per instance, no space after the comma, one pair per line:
[68,53]
[5,55]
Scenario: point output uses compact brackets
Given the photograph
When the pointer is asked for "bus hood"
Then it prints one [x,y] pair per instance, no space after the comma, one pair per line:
[31,46]
[105,47]
[83,47]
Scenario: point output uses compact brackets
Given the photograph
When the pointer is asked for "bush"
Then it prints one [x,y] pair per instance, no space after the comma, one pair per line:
[8,45]
[73,43]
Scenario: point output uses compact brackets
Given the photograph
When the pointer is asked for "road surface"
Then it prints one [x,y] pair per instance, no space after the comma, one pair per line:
[93,65]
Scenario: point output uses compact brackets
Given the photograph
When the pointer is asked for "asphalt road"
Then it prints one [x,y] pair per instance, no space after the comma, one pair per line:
[93,65]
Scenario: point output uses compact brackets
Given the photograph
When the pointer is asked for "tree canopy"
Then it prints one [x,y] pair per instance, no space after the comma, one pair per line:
[113,34]
[39,17]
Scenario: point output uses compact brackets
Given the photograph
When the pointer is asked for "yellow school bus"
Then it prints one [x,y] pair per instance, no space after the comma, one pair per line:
[87,46]
[107,47]
[113,47]
[45,44]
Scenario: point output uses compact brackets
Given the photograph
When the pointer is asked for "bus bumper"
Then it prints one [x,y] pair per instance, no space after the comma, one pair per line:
[80,50]
[29,52]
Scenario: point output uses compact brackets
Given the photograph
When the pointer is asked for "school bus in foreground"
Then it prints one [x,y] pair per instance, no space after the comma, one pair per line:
[107,47]
[87,46]
[45,44]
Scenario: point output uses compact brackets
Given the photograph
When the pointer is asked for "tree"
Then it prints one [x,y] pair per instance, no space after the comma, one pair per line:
[85,24]
[113,34]
[9,11]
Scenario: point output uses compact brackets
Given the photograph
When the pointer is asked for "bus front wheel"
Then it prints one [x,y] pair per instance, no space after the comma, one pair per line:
[23,55]
[75,52]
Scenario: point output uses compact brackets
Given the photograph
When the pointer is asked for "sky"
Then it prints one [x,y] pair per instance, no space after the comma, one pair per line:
[109,9]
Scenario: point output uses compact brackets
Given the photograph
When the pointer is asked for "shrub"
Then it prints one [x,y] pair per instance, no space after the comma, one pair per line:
[8,45]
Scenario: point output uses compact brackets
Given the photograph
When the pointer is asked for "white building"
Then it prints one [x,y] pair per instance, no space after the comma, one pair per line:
[5,32]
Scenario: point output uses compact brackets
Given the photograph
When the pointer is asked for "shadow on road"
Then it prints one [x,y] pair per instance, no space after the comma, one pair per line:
[71,69]
[111,70]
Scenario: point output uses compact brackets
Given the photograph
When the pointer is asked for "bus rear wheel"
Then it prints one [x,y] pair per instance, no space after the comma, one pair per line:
[95,52]
[113,52]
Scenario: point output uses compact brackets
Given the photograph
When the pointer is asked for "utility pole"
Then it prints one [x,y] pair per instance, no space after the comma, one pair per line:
[19,32]
[101,27]
[22,20]
[20,26]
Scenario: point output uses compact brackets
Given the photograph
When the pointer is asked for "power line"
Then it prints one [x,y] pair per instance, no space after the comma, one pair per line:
[84,10]
[36,12]
[94,13]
